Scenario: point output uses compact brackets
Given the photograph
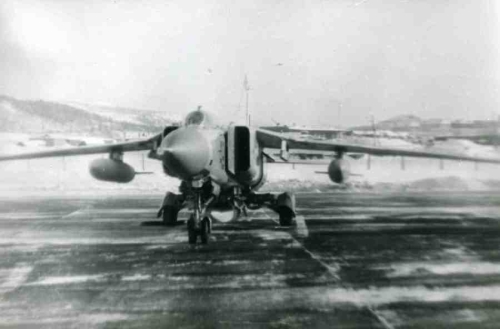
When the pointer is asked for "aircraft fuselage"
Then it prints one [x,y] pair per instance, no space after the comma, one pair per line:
[229,156]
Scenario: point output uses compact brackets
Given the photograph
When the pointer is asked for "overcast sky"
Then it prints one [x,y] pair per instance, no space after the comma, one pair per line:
[304,59]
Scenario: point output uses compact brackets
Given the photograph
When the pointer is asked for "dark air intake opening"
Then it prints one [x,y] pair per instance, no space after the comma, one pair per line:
[242,148]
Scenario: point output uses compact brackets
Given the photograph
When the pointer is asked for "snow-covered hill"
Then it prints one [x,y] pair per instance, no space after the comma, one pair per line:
[35,117]
[128,115]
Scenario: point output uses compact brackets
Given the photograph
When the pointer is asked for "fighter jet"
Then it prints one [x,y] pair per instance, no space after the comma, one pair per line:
[221,167]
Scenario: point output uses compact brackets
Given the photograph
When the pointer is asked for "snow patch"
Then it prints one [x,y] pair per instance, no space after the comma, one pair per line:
[380,296]
[55,280]
[459,252]
[301,227]
[136,277]
[103,318]
[94,318]
[11,279]
[267,280]
[417,268]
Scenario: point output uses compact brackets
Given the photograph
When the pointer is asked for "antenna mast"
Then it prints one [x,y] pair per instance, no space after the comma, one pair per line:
[247,89]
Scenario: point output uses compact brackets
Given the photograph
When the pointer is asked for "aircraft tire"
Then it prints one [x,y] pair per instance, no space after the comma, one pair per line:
[285,207]
[286,216]
[192,234]
[169,215]
[286,220]
[204,230]
[192,237]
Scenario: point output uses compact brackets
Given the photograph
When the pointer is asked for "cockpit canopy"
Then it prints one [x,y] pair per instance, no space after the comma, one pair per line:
[200,118]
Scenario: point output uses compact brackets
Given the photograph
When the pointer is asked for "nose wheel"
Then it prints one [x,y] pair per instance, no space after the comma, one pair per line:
[205,230]
[199,224]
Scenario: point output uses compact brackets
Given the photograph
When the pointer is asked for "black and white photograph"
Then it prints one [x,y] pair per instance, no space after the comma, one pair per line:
[249,164]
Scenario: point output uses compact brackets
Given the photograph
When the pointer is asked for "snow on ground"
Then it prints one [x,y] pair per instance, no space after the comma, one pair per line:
[467,147]
[387,173]
[66,280]
[71,175]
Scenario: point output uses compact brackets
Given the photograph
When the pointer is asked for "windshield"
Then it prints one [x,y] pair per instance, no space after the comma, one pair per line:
[195,118]
[199,118]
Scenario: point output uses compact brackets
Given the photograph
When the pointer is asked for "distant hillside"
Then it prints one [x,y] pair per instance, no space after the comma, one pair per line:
[42,116]
[400,122]
[485,130]
[149,118]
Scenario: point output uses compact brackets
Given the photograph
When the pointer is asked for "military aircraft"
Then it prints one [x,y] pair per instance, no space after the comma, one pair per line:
[222,167]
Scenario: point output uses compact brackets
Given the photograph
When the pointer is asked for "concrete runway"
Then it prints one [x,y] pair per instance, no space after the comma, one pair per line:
[354,260]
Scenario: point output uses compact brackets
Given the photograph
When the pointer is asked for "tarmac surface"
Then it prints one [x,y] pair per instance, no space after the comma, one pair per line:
[354,260]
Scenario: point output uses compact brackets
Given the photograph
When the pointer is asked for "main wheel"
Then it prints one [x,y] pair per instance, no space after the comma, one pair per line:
[285,207]
[192,233]
[205,230]
[286,216]
[169,215]
[192,237]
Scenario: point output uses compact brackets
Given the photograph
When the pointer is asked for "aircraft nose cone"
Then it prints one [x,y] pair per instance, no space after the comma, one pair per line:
[185,153]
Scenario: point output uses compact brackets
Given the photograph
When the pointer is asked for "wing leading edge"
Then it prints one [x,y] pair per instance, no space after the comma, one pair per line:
[273,140]
[141,145]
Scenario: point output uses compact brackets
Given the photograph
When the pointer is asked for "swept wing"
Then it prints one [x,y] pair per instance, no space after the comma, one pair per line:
[140,145]
[268,139]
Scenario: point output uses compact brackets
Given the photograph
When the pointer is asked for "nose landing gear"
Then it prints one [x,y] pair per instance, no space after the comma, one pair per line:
[197,227]
[199,223]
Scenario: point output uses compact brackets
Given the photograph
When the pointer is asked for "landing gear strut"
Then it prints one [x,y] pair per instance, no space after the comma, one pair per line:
[200,196]
[199,223]
[197,227]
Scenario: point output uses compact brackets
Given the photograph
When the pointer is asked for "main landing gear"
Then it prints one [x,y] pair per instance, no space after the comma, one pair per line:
[172,204]
[283,204]
[200,197]
[285,207]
